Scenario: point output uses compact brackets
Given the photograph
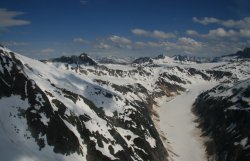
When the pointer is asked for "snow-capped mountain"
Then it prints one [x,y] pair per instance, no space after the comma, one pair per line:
[82,59]
[223,113]
[73,108]
[244,54]
[54,114]
[143,61]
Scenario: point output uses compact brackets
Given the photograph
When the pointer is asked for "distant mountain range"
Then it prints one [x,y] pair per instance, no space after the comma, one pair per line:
[87,60]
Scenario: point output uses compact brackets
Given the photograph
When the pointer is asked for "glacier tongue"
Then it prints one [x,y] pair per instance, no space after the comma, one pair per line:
[177,122]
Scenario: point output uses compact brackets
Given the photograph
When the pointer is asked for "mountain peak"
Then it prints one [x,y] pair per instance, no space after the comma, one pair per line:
[84,55]
[83,58]
[242,54]
[143,60]
[87,60]
[160,56]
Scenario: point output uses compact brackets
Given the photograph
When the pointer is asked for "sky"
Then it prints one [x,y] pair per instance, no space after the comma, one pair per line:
[44,29]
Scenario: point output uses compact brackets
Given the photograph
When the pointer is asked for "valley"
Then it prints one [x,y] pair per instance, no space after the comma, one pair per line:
[178,123]
[75,108]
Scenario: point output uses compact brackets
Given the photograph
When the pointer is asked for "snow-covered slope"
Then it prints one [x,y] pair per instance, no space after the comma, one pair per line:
[55,114]
[224,117]
[177,122]
[241,69]
[73,108]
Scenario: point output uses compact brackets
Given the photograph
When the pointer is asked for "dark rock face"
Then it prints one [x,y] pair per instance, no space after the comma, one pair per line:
[15,82]
[60,116]
[241,54]
[223,115]
[183,58]
[167,88]
[219,74]
[193,71]
[83,59]
[161,56]
[143,60]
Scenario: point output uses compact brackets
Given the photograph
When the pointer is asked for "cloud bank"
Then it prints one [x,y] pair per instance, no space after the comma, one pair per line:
[153,34]
[8,19]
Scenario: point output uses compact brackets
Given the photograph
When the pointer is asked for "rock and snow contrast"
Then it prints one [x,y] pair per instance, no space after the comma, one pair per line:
[76,108]
[224,118]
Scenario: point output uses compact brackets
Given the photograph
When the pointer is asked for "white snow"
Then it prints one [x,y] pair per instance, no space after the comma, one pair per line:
[44,119]
[169,61]
[243,143]
[176,119]
[151,141]
[177,122]
[119,67]
[124,133]
[17,144]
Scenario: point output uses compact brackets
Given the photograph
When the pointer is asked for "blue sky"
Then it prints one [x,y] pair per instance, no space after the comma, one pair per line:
[50,28]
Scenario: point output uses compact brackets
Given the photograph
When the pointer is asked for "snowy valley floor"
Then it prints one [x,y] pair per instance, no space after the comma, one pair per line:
[177,123]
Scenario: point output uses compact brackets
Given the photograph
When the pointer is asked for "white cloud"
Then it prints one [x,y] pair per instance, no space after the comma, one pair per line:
[183,41]
[119,39]
[162,35]
[181,46]
[206,20]
[47,50]
[120,42]
[221,33]
[215,42]
[80,40]
[141,44]
[192,32]
[153,34]
[102,45]
[140,32]
[245,33]
[189,42]
[239,24]
[8,18]
[186,45]
[113,42]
